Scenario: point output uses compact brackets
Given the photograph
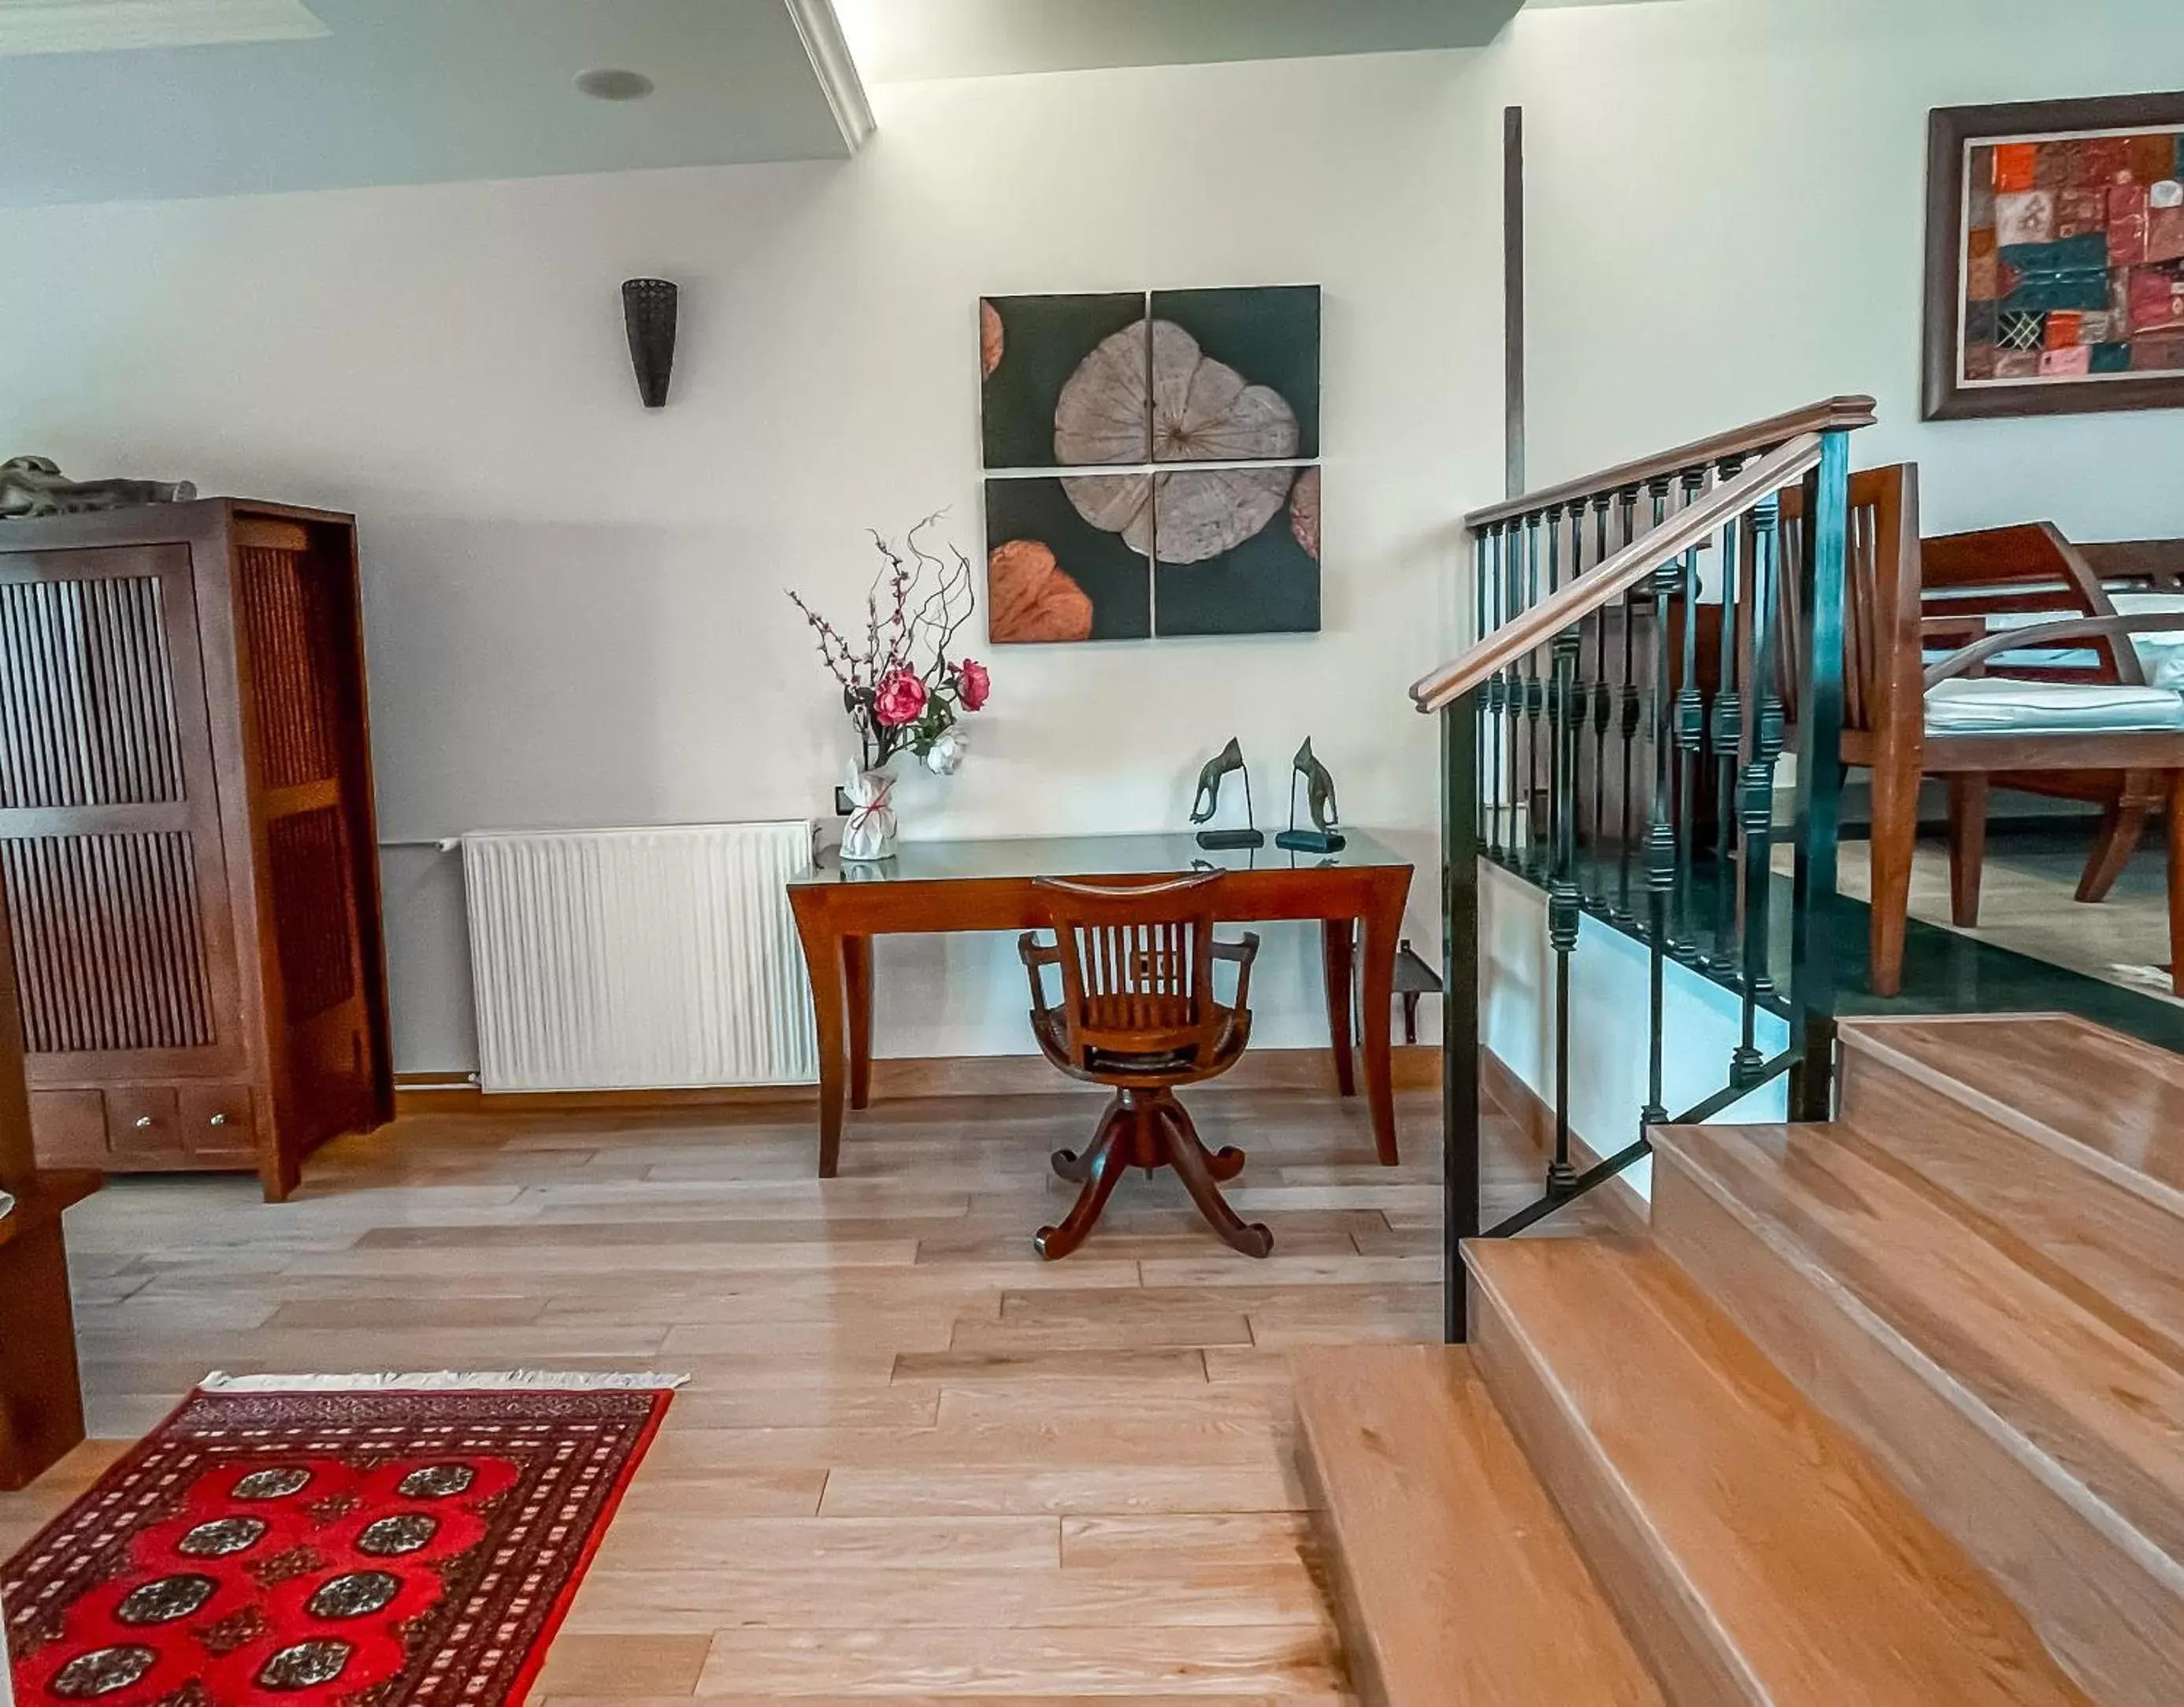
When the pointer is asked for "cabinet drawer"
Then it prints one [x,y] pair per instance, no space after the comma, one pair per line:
[141,1123]
[68,1128]
[215,1120]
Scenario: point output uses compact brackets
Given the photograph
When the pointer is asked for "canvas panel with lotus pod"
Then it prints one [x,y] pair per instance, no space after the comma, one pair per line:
[1224,377]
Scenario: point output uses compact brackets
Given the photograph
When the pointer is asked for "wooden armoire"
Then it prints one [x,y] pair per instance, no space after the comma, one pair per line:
[186,836]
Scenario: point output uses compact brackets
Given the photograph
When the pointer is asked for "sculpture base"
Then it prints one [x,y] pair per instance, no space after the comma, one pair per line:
[1232,839]
[1313,841]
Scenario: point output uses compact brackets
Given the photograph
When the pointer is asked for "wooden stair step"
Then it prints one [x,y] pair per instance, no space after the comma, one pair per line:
[1758,1557]
[2047,1443]
[2087,1220]
[2107,1102]
[1459,1585]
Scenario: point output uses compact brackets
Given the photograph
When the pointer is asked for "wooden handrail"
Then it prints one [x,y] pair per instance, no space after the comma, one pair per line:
[1837,415]
[1597,587]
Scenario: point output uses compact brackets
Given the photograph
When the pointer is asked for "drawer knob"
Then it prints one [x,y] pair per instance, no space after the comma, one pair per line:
[217,1120]
[142,1122]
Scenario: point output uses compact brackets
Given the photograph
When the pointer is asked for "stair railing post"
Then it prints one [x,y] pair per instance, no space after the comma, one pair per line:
[1819,782]
[1460,1033]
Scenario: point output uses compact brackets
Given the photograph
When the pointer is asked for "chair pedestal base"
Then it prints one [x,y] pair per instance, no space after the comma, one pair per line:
[1149,1129]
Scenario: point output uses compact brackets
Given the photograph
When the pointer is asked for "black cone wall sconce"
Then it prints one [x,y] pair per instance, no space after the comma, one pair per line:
[647,311]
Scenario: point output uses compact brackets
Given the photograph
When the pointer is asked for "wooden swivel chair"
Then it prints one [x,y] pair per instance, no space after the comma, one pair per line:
[1138,1014]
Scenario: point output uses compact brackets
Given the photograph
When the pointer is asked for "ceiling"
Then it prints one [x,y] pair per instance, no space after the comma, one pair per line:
[905,40]
[104,100]
[314,94]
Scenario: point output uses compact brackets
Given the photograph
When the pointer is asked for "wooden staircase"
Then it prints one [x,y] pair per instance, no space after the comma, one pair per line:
[1884,1412]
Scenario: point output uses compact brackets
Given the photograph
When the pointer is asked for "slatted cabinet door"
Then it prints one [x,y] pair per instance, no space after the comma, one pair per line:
[111,853]
[304,739]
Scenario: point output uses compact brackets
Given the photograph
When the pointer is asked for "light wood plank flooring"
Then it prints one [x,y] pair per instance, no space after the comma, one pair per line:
[912,1459]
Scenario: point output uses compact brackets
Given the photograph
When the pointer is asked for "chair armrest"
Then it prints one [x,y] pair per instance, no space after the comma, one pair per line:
[1037,956]
[1241,954]
[1972,657]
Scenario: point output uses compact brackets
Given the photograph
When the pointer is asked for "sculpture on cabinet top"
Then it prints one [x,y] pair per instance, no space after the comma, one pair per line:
[35,485]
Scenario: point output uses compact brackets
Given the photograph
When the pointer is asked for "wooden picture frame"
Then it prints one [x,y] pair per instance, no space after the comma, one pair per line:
[1957,137]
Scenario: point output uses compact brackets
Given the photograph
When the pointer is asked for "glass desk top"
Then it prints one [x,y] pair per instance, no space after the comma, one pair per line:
[1160,854]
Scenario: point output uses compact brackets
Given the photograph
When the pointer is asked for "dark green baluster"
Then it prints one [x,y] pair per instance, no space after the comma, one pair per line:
[1632,702]
[1479,631]
[1691,739]
[1535,705]
[1603,712]
[1553,704]
[1496,691]
[1660,841]
[1756,809]
[1563,911]
[1727,737]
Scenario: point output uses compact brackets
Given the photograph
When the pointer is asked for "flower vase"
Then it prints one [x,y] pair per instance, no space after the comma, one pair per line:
[869,836]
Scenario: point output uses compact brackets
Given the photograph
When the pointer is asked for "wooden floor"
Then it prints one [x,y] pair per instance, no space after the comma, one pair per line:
[912,1460]
[2028,904]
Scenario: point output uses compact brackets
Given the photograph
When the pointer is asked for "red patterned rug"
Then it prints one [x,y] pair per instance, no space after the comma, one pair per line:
[335,1547]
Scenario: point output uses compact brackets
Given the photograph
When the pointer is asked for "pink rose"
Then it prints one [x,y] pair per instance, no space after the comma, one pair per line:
[900,700]
[976,684]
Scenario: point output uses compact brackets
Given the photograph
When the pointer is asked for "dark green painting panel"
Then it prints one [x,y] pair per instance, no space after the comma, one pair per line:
[1269,584]
[1036,514]
[1269,333]
[1029,348]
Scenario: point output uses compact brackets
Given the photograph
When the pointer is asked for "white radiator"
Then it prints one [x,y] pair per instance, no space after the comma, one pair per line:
[638,959]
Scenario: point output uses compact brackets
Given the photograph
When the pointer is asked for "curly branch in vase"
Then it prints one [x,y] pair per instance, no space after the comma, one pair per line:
[905,688]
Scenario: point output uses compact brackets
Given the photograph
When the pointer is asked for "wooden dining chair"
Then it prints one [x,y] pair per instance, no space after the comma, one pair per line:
[2040,689]
[1138,1013]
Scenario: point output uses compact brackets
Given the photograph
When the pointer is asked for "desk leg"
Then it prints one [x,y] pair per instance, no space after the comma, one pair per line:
[857,970]
[1338,956]
[1383,926]
[824,959]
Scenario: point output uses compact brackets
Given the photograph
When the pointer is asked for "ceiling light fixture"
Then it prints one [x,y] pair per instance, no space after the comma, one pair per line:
[614,86]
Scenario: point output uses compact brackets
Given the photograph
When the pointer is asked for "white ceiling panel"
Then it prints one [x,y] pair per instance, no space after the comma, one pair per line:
[396,92]
[93,26]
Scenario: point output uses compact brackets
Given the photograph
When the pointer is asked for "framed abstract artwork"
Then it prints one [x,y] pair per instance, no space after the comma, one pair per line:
[1112,393]
[2055,257]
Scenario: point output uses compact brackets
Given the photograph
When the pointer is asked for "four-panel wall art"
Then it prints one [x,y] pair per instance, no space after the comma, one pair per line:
[1095,528]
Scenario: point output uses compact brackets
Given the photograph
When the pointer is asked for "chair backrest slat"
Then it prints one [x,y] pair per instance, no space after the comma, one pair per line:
[1137,965]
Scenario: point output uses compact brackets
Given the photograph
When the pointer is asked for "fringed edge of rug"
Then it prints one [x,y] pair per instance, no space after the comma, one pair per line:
[444,1380]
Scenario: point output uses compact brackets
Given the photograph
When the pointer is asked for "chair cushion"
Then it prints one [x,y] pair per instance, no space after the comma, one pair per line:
[2161,656]
[1996,705]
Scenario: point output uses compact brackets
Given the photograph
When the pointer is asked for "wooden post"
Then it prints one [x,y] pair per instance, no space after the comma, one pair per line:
[1512,293]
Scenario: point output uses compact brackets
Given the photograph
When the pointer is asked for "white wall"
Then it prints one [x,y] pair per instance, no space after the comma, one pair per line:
[1727,217]
[574,608]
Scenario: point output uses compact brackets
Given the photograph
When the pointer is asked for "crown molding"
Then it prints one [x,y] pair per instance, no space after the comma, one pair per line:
[828,50]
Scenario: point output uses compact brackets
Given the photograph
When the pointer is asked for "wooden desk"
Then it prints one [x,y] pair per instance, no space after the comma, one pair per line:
[987,885]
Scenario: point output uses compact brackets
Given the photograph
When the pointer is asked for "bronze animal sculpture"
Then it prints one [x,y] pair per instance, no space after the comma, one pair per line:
[1230,759]
[35,485]
[1326,834]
